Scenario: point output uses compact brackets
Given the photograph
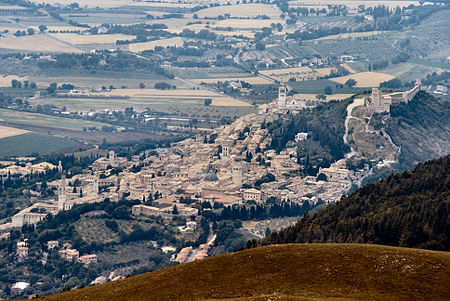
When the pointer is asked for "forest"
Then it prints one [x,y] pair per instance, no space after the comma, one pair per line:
[411,209]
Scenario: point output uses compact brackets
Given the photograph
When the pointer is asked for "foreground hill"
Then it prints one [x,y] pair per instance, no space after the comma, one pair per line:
[291,272]
[411,209]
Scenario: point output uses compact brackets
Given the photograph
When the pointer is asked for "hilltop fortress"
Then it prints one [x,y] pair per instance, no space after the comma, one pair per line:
[378,103]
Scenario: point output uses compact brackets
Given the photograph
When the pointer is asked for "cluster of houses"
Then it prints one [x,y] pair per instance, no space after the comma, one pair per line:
[221,167]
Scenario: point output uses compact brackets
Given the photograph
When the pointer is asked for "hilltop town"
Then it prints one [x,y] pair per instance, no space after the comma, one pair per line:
[234,165]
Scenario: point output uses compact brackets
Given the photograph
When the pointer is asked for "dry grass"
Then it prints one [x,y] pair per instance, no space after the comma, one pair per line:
[290,272]
[365,79]
[254,80]
[245,33]
[5,81]
[37,43]
[6,131]
[79,39]
[244,23]
[138,47]
[240,11]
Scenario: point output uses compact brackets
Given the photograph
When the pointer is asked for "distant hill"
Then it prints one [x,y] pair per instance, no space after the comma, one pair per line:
[411,209]
[289,272]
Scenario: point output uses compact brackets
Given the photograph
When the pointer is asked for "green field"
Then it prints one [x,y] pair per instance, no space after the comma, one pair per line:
[214,72]
[42,120]
[317,87]
[30,143]
[175,106]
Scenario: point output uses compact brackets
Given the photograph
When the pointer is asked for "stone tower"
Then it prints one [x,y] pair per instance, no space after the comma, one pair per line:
[226,150]
[236,173]
[112,158]
[282,98]
[62,193]
[95,189]
[60,169]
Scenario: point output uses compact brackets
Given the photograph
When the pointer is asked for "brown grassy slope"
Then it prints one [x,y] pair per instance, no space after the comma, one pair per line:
[291,272]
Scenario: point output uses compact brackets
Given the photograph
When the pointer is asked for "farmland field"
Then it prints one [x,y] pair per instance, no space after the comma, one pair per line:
[5,80]
[37,43]
[252,80]
[329,97]
[30,143]
[244,24]
[355,3]
[317,87]
[26,118]
[240,11]
[140,99]
[6,131]
[138,47]
[213,72]
[302,73]
[365,79]
[89,3]
[78,39]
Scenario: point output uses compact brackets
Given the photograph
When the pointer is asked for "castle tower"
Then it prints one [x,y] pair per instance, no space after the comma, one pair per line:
[419,83]
[377,100]
[236,173]
[62,193]
[60,169]
[281,98]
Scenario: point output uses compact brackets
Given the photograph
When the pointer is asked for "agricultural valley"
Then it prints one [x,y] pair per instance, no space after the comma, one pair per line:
[140,138]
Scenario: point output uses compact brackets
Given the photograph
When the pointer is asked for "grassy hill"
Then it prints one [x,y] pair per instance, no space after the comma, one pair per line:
[411,209]
[290,272]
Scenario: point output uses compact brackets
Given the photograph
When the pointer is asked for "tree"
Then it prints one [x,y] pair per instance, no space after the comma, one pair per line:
[52,88]
[15,83]
[350,83]
[142,85]
[328,90]
[175,209]
[321,177]
[42,28]
[30,31]
[33,85]
[260,46]
[207,102]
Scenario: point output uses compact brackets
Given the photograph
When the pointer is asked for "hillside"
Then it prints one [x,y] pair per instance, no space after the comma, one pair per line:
[421,128]
[289,272]
[409,209]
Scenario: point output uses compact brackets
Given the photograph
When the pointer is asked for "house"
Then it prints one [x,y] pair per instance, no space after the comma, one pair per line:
[69,254]
[33,214]
[99,280]
[51,244]
[23,252]
[18,287]
[88,259]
